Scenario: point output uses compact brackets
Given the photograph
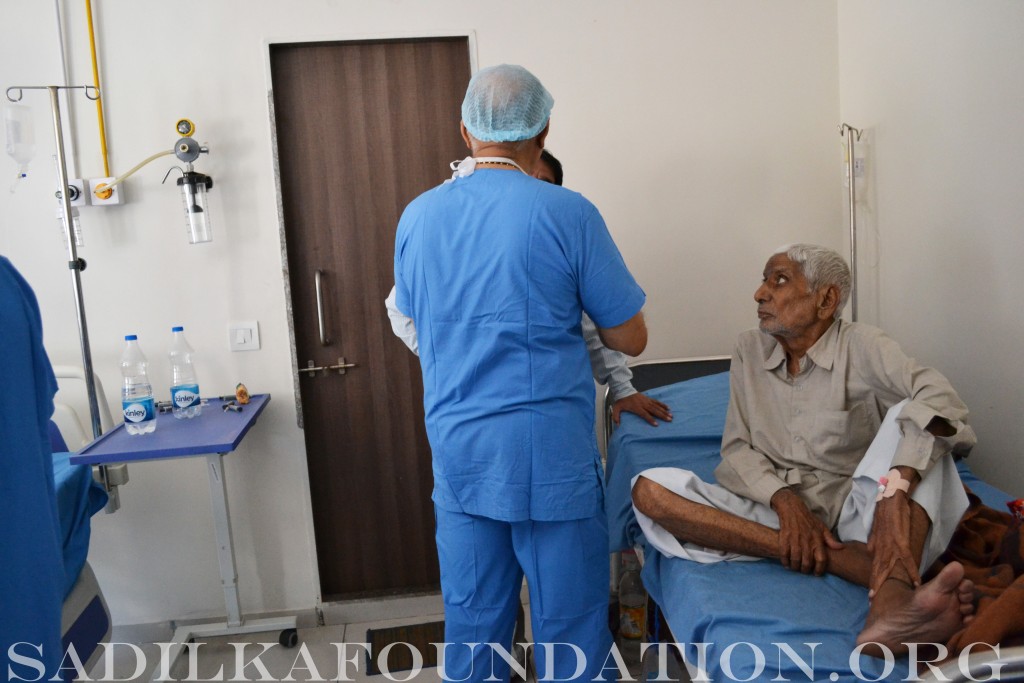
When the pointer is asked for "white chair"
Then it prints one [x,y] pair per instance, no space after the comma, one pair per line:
[71,407]
[73,419]
[85,608]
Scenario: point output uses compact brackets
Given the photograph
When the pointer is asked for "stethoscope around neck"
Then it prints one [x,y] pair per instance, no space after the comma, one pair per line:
[466,167]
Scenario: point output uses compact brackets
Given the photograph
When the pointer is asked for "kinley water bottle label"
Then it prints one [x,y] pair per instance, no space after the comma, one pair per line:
[142,410]
[185,395]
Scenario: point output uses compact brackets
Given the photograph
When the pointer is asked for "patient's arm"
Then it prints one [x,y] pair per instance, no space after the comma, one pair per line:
[630,337]
[898,533]
[933,422]
[939,426]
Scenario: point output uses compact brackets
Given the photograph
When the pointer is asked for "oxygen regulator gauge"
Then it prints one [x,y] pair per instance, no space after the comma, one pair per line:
[185,128]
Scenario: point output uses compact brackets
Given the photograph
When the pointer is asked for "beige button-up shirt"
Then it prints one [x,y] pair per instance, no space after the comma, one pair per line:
[810,431]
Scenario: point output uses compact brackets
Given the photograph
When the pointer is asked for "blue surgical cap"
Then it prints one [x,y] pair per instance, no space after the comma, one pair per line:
[505,103]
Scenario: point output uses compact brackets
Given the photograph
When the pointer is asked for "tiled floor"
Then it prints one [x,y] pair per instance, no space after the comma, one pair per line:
[319,655]
[325,653]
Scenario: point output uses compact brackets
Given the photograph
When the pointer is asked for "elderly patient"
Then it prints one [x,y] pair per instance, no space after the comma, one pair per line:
[836,458]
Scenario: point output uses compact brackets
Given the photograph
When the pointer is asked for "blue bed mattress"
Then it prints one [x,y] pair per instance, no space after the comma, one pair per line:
[740,610]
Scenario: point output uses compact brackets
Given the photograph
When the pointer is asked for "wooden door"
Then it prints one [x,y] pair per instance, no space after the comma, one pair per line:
[362,129]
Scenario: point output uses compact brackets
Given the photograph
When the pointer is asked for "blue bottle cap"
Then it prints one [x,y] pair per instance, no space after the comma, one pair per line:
[179,328]
[131,337]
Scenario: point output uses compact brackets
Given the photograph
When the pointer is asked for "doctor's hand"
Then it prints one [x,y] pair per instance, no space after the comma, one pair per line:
[804,539]
[889,544]
[644,406]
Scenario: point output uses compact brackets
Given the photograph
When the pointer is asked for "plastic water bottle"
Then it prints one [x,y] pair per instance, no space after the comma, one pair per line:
[136,392]
[184,385]
[632,608]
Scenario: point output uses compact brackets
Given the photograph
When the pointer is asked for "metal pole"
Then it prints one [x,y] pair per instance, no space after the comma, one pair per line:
[850,132]
[72,164]
[75,265]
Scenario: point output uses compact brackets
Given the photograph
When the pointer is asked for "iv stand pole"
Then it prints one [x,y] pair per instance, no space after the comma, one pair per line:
[851,133]
[75,264]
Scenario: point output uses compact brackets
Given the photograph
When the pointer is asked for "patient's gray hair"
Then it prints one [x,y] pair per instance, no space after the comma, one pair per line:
[822,267]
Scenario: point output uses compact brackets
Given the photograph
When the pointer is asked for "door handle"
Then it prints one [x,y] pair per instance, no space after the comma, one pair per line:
[317,281]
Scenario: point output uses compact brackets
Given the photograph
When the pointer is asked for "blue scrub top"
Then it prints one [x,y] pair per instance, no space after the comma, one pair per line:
[495,269]
[32,580]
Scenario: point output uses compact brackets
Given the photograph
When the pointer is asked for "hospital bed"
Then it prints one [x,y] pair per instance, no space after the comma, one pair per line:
[85,619]
[757,619]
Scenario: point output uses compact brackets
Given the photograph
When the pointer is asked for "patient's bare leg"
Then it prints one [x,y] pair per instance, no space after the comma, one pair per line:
[899,614]
[709,527]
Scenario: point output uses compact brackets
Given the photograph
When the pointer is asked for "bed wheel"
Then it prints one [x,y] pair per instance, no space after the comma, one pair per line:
[289,637]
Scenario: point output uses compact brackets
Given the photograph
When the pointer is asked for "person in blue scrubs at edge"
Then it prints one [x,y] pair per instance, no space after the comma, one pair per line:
[31,560]
[495,268]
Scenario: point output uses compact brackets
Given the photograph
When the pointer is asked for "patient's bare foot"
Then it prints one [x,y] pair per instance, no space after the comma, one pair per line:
[929,614]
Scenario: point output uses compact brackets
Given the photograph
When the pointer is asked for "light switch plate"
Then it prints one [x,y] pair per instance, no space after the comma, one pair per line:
[244,336]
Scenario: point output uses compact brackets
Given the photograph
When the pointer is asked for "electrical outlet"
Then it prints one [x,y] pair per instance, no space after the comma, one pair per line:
[116,192]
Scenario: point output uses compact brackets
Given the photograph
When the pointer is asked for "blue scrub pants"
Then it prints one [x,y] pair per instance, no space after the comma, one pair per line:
[483,562]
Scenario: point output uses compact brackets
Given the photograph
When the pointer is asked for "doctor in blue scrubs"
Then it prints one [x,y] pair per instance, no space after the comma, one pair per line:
[495,268]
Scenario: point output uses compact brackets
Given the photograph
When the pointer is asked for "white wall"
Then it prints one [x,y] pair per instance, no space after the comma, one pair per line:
[705,132]
[939,88]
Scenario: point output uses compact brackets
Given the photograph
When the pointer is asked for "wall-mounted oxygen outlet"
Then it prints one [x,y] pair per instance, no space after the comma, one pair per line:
[114,195]
[77,193]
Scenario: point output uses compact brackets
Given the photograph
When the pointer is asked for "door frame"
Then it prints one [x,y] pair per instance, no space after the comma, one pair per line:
[414,605]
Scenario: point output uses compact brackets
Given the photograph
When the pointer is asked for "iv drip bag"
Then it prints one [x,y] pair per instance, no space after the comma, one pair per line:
[20,137]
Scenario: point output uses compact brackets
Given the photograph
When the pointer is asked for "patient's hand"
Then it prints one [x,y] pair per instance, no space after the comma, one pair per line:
[804,539]
[644,406]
